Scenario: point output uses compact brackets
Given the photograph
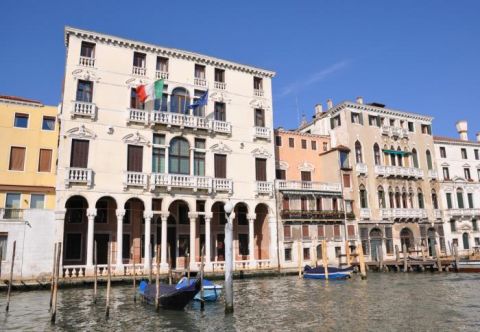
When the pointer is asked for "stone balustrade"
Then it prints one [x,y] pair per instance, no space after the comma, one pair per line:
[77,175]
[308,185]
[85,109]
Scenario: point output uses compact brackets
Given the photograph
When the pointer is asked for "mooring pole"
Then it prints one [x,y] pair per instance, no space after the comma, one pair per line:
[188,267]
[228,207]
[55,287]
[361,260]
[169,265]
[134,282]
[53,274]
[202,292]
[157,279]
[457,259]
[95,272]
[347,252]
[439,260]
[325,258]
[405,258]
[109,277]
[11,276]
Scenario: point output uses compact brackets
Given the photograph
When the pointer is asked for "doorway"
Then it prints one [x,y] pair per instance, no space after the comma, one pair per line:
[431,242]
[466,244]
[102,247]
[376,244]
[172,244]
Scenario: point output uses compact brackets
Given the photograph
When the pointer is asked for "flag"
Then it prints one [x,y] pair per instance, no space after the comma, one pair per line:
[150,91]
[202,101]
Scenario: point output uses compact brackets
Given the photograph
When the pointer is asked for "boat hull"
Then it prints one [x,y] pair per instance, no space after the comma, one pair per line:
[171,298]
[469,266]
[210,294]
[332,276]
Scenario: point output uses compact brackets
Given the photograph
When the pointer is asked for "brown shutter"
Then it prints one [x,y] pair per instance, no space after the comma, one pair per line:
[306,176]
[336,231]
[261,169]
[286,203]
[220,161]
[17,158]
[321,231]
[135,158]
[351,230]
[305,231]
[79,154]
[45,160]
[346,180]
[319,204]
[286,232]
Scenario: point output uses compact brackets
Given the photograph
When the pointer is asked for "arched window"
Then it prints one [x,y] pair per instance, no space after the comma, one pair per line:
[179,100]
[415,158]
[406,238]
[376,154]
[391,198]
[410,197]
[363,197]
[460,199]
[398,199]
[421,204]
[429,160]
[179,156]
[404,199]
[400,157]
[434,199]
[381,198]
[392,157]
[358,152]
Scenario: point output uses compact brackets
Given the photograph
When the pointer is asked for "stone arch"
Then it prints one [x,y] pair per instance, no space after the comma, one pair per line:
[134,237]
[406,238]
[261,232]
[105,227]
[75,231]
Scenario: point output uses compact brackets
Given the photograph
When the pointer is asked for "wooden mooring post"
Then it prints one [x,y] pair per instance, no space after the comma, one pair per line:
[325,258]
[53,313]
[157,279]
[202,267]
[347,252]
[397,258]
[457,258]
[52,280]
[109,279]
[361,261]
[95,277]
[134,282]
[300,258]
[439,260]
[188,267]
[11,276]
[169,265]
[405,258]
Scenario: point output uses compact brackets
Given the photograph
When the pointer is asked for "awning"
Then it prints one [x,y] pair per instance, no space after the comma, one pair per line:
[401,153]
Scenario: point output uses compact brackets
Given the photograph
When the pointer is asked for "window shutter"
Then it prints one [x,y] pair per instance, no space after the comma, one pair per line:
[351,230]
[261,169]
[336,231]
[220,161]
[135,158]
[45,160]
[17,159]
[286,203]
[79,154]
[321,231]
[360,116]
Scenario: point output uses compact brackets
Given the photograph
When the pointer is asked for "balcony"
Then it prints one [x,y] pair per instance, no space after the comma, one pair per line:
[140,71]
[222,185]
[361,168]
[199,81]
[188,121]
[398,171]
[432,174]
[169,181]
[86,61]
[403,213]
[135,179]
[307,185]
[161,75]
[262,132]
[324,214]
[258,92]
[221,127]
[264,188]
[220,85]
[11,214]
[81,108]
[81,176]
[137,116]
[458,213]
[365,213]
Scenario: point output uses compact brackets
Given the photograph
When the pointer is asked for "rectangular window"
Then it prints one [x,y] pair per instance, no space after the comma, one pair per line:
[344,163]
[73,246]
[48,123]
[474,225]
[278,140]
[305,232]
[162,104]
[320,231]
[346,180]
[259,117]
[475,152]
[477,241]
[280,174]
[17,158]
[306,254]
[220,111]
[351,231]
[135,101]
[3,246]
[470,201]
[158,160]
[464,153]
[325,146]
[363,199]
[87,50]
[453,226]
[306,176]
[84,91]
[443,152]
[319,205]
[287,232]
[257,83]
[21,120]
[446,173]
[286,203]
[200,143]
[158,139]
[260,169]
[162,64]
[466,172]
[338,251]
[426,129]
[139,59]
[135,158]
[198,110]
[291,142]
[12,201]
[448,197]
[411,126]
[37,201]
[460,200]
[45,160]
[356,118]
[79,153]
[220,161]
[336,231]
[199,163]
[219,75]
[304,143]
[374,120]
[335,122]
[288,254]
[314,145]
[199,71]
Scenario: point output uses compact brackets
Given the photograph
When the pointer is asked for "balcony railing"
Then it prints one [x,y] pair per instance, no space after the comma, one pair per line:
[187,121]
[11,214]
[403,213]
[138,71]
[258,92]
[408,172]
[264,187]
[307,185]
[432,174]
[262,132]
[81,108]
[324,214]
[455,213]
[221,127]
[210,184]
[365,213]
[220,185]
[137,116]
[220,85]
[77,175]
[86,61]
[161,75]
[135,179]
[200,81]
[395,131]
[361,168]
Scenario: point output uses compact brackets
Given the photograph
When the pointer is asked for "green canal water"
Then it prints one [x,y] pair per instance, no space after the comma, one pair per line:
[384,302]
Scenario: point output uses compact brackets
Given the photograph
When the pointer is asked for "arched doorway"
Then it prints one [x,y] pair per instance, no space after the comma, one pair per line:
[466,244]
[241,232]
[105,227]
[261,232]
[219,219]
[406,238]
[133,231]
[376,239]
[178,233]
[431,238]
[75,231]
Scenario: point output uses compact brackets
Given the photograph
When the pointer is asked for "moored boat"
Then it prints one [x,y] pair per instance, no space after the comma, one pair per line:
[171,297]
[333,272]
[469,266]
[211,291]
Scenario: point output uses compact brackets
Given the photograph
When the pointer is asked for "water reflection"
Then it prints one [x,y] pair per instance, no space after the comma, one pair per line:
[388,301]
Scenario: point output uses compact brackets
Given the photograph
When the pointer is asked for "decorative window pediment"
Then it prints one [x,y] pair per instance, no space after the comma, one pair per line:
[135,138]
[220,97]
[283,165]
[85,74]
[134,82]
[220,148]
[306,167]
[261,153]
[258,103]
[445,165]
[80,132]
[466,165]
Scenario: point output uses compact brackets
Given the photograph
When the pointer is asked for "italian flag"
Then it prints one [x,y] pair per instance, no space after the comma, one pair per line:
[150,91]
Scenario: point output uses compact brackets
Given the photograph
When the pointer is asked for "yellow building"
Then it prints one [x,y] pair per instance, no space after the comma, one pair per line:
[28,136]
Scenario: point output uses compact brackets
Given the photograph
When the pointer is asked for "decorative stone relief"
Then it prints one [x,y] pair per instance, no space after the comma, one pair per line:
[136,138]
[220,97]
[306,167]
[134,82]
[283,165]
[85,74]
[220,148]
[261,152]
[80,132]
[258,103]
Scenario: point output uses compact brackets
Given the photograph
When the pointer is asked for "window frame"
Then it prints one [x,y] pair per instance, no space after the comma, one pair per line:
[21,115]
[24,158]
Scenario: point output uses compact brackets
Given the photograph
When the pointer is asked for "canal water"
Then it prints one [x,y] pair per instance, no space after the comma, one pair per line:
[384,302]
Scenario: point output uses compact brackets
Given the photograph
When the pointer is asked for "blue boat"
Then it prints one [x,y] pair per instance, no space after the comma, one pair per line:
[171,297]
[211,291]
[333,272]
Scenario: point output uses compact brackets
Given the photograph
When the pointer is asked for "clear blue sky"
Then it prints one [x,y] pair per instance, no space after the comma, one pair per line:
[417,56]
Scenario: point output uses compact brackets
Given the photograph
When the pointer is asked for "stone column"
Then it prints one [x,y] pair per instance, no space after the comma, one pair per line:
[120,214]
[208,243]
[192,155]
[147,255]
[272,223]
[166,159]
[163,258]
[251,238]
[193,228]
[91,214]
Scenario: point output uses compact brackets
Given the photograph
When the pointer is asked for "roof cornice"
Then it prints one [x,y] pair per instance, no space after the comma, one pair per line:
[381,110]
[453,141]
[165,51]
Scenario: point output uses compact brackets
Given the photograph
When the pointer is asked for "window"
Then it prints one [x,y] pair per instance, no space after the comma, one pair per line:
[199,71]
[179,100]
[313,145]
[12,201]
[356,118]
[179,156]
[381,198]
[87,50]
[434,200]
[257,83]
[198,110]
[162,64]
[446,173]
[470,200]
[443,152]
[351,231]
[3,246]
[478,173]
[220,111]
[84,91]
[288,254]
[291,142]
[376,154]
[464,153]
[460,199]
[135,101]
[374,120]
[426,129]
[411,126]
[474,225]
[21,120]
[448,197]
[199,157]
[219,75]
[135,158]
[259,117]
[280,174]
[158,139]
[48,123]
[304,143]
[477,157]
[336,231]
[287,233]
[286,203]
[363,198]
[421,204]
[139,59]
[466,172]
[346,180]
[79,153]
[344,160]
[335,122]
[453,227]
[358,152]
[325,146]
[278,140]
[429,160]
[305,232]
[260,169]
[158,160]
[220,166]
[306,254]
[306,176]
[338,251]
[392,122]
[73,246]
[45,160]
[17,158]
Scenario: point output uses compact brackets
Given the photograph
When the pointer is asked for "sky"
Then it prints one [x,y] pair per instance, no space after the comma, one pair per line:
[411,55]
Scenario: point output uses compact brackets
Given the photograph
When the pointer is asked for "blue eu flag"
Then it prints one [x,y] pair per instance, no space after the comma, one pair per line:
[202,101]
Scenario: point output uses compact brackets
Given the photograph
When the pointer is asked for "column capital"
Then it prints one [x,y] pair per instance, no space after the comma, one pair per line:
[148,214]
[91,213]
[164,214]
[120,213]
[252,216]
[192,215]
[208,215]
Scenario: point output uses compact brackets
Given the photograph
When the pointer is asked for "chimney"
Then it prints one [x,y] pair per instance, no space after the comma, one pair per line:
[462,128]
[329,104]
[360,100]
[318,109]
[478,137]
